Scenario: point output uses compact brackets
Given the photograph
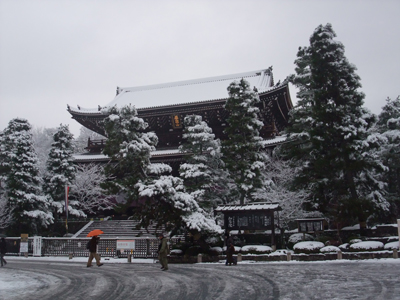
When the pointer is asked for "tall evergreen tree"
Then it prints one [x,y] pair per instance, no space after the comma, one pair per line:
[203,172]
[243,149]
[19,173]
[329,132]
[162,199]
[388,126]
[129,148]
[60,170]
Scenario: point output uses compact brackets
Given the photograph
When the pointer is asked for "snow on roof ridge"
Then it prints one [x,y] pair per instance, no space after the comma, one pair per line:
[194,81]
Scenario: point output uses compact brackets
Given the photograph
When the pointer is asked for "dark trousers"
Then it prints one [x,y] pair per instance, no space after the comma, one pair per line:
[2,259]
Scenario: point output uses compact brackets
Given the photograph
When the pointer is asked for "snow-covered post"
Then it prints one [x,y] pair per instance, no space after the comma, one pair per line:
[398,230]
[339,255]
[289,256]
[199,258]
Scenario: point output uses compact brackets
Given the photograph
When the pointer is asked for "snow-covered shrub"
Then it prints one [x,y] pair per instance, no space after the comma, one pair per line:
[345,247]
[392,245]
[308,247]
[280,252]
[217,249]
[255,249]
[298,237]
[176,252]
[367,246]
[328,249]
[353,241]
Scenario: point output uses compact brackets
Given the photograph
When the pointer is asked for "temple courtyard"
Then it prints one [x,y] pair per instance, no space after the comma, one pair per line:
[61,278]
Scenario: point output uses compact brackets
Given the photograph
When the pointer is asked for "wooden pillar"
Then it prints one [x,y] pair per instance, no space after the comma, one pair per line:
[273,231]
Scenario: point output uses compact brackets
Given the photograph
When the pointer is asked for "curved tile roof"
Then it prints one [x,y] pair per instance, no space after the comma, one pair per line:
[183,92]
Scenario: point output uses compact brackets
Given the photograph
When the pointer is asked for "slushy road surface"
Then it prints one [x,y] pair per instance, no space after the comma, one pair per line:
[294,280]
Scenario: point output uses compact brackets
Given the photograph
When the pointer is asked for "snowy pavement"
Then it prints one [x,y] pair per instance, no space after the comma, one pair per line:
[60,278]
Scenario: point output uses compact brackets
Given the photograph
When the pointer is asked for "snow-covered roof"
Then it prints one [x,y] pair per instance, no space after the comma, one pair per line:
[188,91]
[247,207]
[102,157]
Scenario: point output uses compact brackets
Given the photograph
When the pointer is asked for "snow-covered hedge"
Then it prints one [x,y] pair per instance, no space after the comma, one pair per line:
[353,241]
[176,252]
[344,247]
[392,245]
[255,249]
[329,249]
[298,237]
[280,252]
[217,249]
[367,246]
[308,247]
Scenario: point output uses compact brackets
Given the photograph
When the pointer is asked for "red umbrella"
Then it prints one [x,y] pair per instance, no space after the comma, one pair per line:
[95,232]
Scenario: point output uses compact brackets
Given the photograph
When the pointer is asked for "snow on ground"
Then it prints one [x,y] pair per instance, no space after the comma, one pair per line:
[11,279]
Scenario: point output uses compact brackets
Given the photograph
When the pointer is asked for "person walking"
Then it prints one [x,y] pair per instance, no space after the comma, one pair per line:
[93,251]
[3,251]
[163,252]
[229,254]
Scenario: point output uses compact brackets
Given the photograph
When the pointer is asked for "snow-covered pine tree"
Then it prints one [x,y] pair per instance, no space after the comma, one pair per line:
[243,149]
[388,126]
[6,213]
[329,132]
[169,204]
[129,148]
[203,172]
[60,171]
[19,174]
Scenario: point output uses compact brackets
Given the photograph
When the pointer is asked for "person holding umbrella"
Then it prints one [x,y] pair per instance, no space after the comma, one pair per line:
[93,247]
[3,250]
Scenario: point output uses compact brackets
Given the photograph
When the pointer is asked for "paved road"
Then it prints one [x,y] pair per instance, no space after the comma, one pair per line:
[347,280]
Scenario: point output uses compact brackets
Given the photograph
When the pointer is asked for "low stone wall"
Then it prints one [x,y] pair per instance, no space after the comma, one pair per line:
[296,257]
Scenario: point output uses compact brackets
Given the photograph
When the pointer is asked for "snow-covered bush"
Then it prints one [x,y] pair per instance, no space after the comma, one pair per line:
[328,249]
[367,246]
[255,249]
[392,245]
[345,247]
[280,252]
[308,247]
[176,252]
[353,241]
[217,249]
[298,237]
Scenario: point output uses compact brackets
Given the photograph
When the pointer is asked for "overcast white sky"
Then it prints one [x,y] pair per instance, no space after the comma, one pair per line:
[54,53]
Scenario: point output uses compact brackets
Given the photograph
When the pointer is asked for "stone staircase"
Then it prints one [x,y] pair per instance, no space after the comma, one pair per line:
[118,229]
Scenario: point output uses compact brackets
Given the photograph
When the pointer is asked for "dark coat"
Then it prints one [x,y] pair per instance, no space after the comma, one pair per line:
[3,246]
[93,244]
[163,247]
